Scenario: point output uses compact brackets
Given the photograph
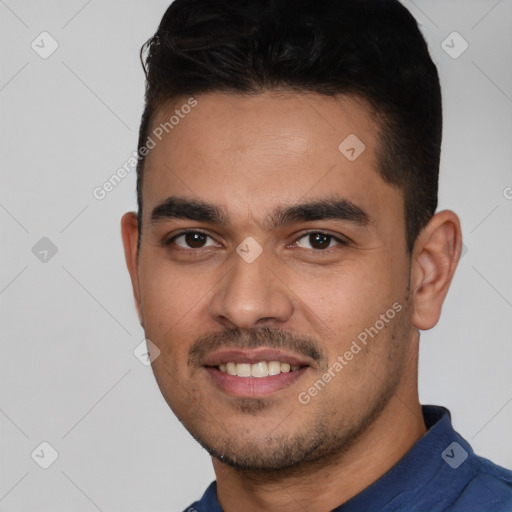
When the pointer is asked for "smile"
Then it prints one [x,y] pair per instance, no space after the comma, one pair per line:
[254,373]
[258,370]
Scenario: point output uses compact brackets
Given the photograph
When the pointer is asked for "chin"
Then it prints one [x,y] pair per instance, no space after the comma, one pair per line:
[253,451]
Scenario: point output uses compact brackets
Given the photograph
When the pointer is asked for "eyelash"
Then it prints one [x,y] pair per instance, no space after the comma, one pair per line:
[340,241]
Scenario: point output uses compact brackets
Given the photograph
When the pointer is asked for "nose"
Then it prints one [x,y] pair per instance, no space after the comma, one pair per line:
[251,295]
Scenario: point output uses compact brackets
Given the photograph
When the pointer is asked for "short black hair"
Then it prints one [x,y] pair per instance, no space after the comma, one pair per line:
[370,49]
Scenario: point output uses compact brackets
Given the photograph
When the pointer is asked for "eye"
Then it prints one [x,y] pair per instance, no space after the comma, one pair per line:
[191,240]
[319,241]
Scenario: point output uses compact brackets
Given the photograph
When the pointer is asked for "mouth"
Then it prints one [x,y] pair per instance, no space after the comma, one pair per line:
[255,373]
[258,370]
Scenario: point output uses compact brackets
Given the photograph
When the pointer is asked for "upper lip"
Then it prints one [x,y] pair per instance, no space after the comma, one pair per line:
[254,356]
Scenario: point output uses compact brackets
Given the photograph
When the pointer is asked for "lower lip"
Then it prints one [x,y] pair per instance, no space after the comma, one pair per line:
[253,387]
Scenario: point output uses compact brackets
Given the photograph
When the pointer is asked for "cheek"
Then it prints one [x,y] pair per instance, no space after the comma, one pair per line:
[171,299]
[343,302]
[172,305]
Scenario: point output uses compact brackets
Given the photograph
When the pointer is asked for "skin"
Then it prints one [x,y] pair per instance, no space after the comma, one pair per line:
[250,155]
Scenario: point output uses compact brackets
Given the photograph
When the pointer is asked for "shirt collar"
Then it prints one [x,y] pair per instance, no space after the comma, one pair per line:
[423,463]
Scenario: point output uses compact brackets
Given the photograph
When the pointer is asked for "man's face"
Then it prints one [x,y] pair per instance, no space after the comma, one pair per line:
[292,291]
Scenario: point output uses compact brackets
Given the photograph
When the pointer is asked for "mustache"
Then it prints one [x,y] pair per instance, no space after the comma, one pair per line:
[265,337]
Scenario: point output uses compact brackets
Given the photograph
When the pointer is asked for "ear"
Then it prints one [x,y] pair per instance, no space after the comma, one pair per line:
[435,257]
[130,234]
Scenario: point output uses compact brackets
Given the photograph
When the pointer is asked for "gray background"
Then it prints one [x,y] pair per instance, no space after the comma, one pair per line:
[69,328]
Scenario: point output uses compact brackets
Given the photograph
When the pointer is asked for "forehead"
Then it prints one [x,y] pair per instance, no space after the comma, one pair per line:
[281,123]
[250,153]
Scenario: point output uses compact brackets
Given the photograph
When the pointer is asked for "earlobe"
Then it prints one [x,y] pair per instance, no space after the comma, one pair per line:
[436,254]
[130,234]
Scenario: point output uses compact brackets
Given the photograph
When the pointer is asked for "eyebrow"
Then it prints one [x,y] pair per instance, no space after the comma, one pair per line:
[337,208]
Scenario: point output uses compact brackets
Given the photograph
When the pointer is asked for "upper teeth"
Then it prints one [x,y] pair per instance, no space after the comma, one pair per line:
[261,369]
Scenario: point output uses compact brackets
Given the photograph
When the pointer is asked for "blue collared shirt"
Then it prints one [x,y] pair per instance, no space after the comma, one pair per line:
[440,473]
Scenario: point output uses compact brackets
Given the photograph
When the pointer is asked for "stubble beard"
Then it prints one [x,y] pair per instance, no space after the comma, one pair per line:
[322,442]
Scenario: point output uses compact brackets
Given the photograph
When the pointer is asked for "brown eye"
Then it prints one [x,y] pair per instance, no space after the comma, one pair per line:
[318,241]
[192,240]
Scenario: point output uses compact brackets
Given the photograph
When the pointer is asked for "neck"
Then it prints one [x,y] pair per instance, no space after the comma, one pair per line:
[331,484]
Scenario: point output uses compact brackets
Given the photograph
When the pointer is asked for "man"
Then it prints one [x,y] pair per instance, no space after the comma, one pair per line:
[286,254]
